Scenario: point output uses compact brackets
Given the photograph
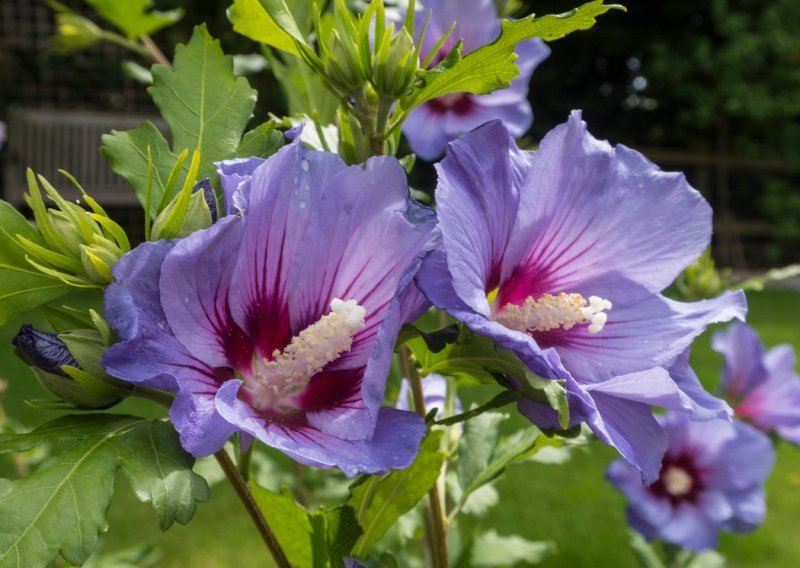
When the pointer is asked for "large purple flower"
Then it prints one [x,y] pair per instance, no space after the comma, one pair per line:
[712,478]
[559,255]
[431,126]
[762,386]
[280,322]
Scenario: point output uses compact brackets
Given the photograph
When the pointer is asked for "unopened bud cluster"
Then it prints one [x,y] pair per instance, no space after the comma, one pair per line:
[77,246]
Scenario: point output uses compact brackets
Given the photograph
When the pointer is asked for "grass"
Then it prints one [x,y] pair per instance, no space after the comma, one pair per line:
[570,504]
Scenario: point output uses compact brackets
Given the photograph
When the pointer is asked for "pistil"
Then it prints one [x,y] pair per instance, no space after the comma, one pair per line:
[277,381]
[550,311]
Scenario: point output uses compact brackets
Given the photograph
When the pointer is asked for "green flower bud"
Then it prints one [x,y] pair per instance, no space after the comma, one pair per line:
[67,230]
[79,247]
[395,64]
[179,220]
[341,65]
[74,32]
[98,258]
[68,366]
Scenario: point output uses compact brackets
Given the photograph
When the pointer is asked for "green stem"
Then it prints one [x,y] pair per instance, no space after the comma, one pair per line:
[245,458]
[237,480]
[153,52]
[502,399]
[124,42]
[243,491]
[437,535]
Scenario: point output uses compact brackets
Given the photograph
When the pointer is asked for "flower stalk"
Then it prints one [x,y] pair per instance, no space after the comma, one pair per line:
[436,518]
[243,491]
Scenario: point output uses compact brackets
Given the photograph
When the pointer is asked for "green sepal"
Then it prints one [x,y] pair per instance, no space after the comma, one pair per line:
[71,391]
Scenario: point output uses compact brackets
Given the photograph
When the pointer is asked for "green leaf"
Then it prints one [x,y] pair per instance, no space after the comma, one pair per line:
[342,532]
[61,508]
[206,106]
[477,445]
[251,19]
[22,287]
[516,447]
[380,500]
[126,152]
[160,471]
[133,17]
[435,341]
[292,524]
[491,549]
[308,540]
[474,357]
[261,142]
[492,66]
[304,90]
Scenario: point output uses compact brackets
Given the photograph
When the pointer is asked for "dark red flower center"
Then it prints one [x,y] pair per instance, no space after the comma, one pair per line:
[680,480]
[459,104]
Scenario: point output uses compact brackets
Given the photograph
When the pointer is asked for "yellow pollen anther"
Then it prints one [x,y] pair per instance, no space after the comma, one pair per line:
[276,381]
[552,312]
[677,481]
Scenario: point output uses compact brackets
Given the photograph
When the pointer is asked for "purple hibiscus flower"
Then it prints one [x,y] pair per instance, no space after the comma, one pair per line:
[559,255]
[712,478]
[762,386]
[280,322]
[432,125]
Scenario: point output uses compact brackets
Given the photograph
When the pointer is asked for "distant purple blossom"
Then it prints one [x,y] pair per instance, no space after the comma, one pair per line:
[712,479]
[434,391]
[762,386]
[560,255]
[431,126]
[280,322]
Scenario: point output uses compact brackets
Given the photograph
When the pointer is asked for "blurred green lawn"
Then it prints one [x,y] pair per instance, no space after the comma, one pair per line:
[569,504]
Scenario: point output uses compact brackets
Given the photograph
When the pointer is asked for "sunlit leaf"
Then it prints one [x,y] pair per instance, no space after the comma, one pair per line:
[134,17]
[492,66]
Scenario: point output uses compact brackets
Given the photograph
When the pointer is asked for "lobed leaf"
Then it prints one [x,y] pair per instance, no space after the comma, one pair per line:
[61,508]
[206,106]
